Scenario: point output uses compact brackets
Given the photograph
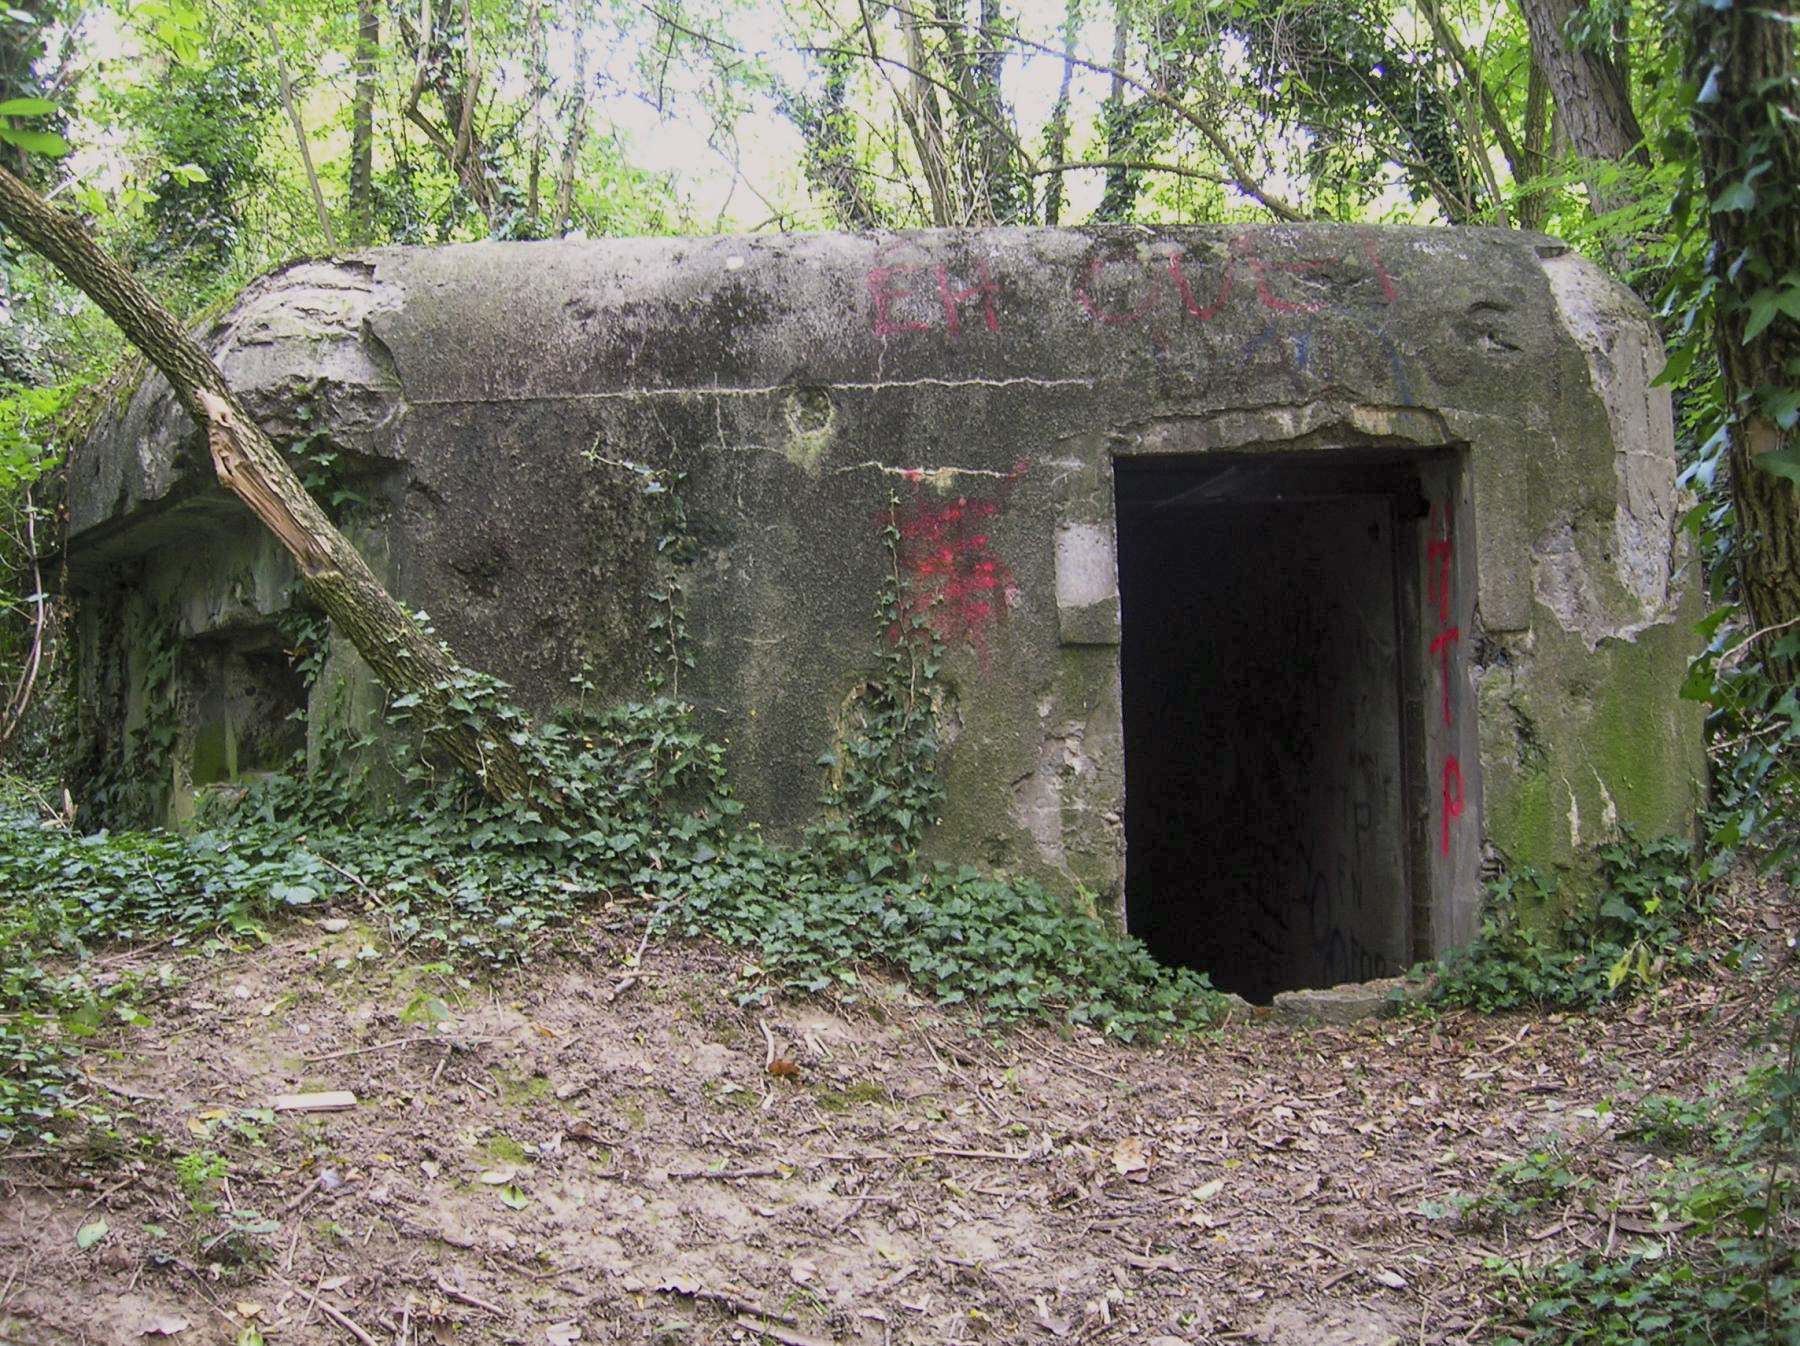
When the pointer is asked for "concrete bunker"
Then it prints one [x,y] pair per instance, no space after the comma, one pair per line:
[1415,482]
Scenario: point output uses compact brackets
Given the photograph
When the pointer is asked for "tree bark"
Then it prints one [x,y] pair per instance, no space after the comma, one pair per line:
[1744,61]
[927,119]
[1593,101]
[362,122]
[249,466]
[1056,141]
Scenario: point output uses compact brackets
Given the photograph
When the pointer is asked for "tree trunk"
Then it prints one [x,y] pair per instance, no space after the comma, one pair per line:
[1532,205]
[927,120]
[251,468]
[1743,59]
[1120,193]
[1593,101]
[1056,140]
[287,101]
[362,122]
[571,159]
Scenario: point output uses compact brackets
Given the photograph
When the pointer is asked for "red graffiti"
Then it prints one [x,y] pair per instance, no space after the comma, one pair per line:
[1440,646]
[939,300]
[1243,249]
[1440,560]
[1438,556]
[886,287]
[1453,796]
[955,586]
[1084,291]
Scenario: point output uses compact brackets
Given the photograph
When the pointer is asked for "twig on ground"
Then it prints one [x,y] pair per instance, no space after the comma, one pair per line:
[337,1316]
[464,1297]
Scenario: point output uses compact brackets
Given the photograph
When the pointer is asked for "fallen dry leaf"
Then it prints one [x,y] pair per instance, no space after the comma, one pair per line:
[783,1068]
[1131,1155]
[164,1325]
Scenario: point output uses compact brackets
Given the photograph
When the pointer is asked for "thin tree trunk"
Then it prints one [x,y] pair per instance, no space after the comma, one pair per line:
[251,468]
[1056,144]
[927,120]
[565,179]
[1470,69]
[362,122]
[1120,193]
[287,101]
[1531,205]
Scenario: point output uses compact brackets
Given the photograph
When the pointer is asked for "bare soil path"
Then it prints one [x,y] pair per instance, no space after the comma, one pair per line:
[565,1154]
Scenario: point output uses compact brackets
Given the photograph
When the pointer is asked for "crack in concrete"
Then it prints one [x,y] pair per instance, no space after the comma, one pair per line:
[936,475]
[767,390]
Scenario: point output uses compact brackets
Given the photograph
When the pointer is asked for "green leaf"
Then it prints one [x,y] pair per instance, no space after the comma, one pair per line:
[1764,305]
[27,107]
[90,1234]
[1782,405]
[36,142]
[1677,366]
[1738,196]
[513,1197]
[1781,463]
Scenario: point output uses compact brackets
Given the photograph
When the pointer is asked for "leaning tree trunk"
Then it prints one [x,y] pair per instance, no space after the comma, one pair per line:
[1743,60]
[249,466]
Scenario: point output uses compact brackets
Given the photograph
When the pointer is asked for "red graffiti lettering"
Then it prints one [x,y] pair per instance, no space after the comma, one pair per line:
[883,293]
[1178,274]
[952,298]
[1453,796]
[1440,646]
[1440,577]
[1242,246]
[1440,553]
[1084,292]
[886,287]
[955,586]
[1388,290]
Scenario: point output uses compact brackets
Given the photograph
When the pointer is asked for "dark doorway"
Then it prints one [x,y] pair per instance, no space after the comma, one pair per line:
[1264,675]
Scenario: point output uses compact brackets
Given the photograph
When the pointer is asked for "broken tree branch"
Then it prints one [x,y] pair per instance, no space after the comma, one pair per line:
[248,465]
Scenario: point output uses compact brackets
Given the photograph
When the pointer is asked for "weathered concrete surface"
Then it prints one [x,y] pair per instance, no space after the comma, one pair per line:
[488,408]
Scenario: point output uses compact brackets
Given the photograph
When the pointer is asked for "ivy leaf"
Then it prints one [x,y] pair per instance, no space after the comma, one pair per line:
[36,142]
[1764,305]
[1676,367]
[90,1234]
[1781,462]
[1738,196]
[1782,405]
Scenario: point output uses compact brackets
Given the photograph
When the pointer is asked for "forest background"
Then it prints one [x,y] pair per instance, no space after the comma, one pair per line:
[201,143]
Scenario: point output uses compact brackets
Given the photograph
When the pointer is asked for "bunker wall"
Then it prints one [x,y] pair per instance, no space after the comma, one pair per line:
[485,415]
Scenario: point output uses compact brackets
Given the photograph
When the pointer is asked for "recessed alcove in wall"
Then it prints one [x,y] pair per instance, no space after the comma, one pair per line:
[243,692]
[1272,694]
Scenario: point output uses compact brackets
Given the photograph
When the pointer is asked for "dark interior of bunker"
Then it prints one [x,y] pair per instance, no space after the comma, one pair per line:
[1268,750]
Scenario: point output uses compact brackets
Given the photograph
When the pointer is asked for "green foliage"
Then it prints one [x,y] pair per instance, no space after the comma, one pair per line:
[1624,940]
[881,779]
[631,808]
[1728,1272]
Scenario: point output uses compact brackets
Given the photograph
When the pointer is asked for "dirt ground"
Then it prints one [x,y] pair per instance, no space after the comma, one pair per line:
[570,1154]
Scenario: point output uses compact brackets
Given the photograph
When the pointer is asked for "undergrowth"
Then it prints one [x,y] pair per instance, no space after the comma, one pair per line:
[633,815]
[1716,1262]
[1628,937]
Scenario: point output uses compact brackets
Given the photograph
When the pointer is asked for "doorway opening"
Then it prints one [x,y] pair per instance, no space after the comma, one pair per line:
[1270,714]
